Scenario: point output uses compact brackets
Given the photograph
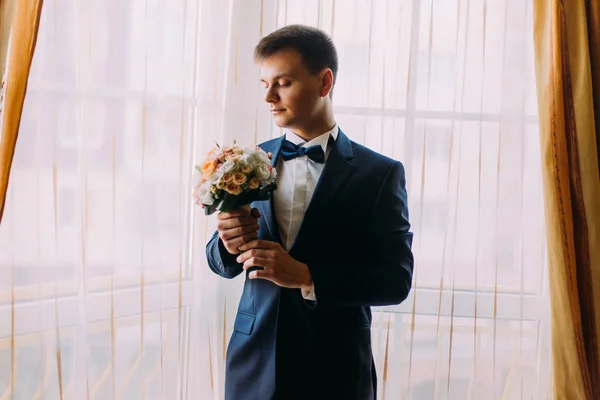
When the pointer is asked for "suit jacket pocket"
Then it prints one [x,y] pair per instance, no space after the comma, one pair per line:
[244,322]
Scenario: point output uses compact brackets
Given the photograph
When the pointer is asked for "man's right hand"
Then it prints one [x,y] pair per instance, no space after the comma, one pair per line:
[237,227]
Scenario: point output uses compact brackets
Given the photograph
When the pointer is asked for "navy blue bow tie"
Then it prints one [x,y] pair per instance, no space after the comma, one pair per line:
[290,151]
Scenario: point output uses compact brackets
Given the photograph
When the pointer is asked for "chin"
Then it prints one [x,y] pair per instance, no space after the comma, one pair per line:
[281,122]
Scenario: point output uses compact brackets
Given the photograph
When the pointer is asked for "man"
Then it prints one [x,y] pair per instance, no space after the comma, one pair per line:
[333,241]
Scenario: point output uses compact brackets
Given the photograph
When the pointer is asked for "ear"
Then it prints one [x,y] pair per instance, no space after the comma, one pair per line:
[326,82]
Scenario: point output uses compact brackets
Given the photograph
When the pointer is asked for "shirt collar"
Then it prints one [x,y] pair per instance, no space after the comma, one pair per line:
[321,140]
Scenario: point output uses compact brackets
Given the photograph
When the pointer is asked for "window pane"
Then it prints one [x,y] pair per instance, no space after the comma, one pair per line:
[475,204]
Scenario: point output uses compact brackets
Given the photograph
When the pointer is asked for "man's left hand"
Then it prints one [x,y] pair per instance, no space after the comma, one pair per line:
[279,267]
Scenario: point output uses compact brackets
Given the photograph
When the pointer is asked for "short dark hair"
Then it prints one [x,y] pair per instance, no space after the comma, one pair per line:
[315,47]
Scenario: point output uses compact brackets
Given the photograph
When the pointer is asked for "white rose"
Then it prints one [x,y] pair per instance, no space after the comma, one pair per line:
[262,172]
[205,196]
[251,160]
[217,175]
[228,166]
[263,157]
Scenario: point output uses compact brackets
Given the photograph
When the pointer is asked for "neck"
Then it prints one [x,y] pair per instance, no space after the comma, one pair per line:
[318,126]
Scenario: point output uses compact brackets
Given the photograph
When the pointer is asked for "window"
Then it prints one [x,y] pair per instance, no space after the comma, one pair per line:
[448,88]
[123,96]
[99,195]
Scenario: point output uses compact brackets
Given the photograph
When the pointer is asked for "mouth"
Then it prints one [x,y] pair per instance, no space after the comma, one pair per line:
[277,111]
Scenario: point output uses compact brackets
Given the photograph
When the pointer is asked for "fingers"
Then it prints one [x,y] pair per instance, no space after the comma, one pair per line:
[238,212]
[232,233]
[253,253]
[255,213]
[238,227]
[233,245]
[240,240]
[234,222]
[259,274]
[259,244]
[256,262]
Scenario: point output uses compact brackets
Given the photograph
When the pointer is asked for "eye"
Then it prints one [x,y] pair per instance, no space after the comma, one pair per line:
[284,84]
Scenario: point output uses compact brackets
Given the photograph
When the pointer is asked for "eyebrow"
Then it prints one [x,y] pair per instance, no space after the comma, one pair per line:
[277,77]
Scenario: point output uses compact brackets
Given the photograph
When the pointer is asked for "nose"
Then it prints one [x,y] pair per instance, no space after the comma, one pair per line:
[271,95]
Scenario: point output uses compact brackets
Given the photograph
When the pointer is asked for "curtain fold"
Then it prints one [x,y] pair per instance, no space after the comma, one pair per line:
[593,15]
[7,8]
[567,36]
[24,19]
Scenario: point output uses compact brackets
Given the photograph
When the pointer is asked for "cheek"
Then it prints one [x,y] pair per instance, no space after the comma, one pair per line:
[301,102]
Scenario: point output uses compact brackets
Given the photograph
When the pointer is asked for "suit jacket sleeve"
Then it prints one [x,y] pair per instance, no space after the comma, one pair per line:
[385,277]
[220,261]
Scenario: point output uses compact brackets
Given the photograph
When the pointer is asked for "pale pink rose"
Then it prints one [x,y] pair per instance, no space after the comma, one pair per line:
[232,157]
[270,155]
[232,188]
[196,195]
[239,178]
[253,183]
[203,195]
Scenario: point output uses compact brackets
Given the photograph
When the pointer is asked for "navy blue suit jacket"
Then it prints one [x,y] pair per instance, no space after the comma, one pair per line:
[356,242]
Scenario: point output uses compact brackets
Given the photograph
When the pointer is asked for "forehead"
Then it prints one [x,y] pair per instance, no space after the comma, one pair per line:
[283,62]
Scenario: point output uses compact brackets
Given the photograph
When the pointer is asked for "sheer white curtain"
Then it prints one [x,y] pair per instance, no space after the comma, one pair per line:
[104,288]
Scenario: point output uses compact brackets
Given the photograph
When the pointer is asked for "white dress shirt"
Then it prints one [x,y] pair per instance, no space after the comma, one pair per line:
[296,182]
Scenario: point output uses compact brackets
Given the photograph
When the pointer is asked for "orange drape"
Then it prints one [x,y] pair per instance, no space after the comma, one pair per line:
[24,24]
[567,46]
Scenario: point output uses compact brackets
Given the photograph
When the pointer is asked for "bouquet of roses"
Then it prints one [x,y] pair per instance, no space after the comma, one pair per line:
[234,176]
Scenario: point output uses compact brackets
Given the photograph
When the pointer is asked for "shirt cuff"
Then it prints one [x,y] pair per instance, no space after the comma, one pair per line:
[309,294]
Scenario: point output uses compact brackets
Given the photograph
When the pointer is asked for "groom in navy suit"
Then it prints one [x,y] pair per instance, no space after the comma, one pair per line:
[334,241]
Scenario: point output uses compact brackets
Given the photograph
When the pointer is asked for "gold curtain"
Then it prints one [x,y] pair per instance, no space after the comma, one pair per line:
[7,8]
[593,13]
[567,50]
[19,21]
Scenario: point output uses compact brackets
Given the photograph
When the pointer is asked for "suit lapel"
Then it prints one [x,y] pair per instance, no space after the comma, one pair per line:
[337,169]
[266,207]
